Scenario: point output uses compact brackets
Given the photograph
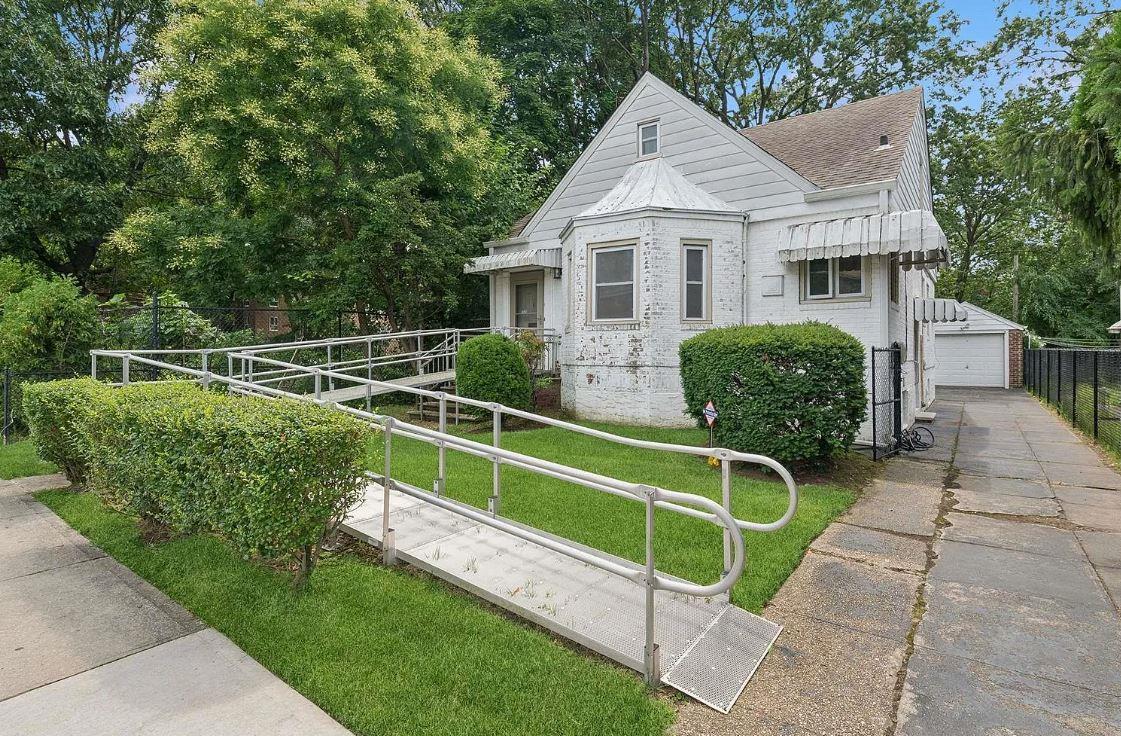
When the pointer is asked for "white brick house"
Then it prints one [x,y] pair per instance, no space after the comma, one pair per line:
[671,223]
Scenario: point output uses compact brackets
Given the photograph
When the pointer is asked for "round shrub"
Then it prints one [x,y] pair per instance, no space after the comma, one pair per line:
[492,368]
[792,392]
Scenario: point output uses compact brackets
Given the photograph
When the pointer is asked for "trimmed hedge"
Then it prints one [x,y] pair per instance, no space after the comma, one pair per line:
[273,477]
[57,413]
[793,392]
[493,368]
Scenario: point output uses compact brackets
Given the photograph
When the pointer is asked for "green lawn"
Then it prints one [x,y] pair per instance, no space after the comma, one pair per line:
[383,651]
[18,460]
[686,547]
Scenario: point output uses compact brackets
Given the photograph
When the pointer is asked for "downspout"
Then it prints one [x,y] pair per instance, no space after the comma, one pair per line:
[743,271]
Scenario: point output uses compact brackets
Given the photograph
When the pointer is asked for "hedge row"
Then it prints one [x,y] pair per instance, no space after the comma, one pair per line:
[793,392]
[273,477]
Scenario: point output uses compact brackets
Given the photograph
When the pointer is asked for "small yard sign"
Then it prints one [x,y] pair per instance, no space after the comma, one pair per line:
[710,414]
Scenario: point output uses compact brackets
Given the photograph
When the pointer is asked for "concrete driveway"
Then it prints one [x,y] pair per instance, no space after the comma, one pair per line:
[1020,632]
[973,589]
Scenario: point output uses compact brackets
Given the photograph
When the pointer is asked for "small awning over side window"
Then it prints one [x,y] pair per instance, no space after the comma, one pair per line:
[544,257]
[914,236]
[940,310]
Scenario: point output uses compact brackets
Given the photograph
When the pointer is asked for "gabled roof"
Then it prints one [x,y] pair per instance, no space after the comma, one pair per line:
[841,146]
[519,224]
[654,184]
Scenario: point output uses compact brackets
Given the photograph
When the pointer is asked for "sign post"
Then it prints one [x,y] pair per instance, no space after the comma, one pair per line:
[710,417]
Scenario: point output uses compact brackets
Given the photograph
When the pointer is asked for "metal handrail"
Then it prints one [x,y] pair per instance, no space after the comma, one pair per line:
[724,455]
[652,497]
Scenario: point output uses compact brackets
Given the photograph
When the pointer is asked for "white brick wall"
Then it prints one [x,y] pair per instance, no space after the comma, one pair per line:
[630,372]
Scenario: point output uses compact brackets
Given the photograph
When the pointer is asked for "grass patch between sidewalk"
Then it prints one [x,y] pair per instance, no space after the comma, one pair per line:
[383,651]
[18,460]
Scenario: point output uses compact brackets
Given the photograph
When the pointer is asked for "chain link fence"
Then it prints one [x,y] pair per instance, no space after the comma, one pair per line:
[1084,386]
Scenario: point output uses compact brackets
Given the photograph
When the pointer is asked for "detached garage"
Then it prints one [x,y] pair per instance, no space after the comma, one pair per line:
[987,350]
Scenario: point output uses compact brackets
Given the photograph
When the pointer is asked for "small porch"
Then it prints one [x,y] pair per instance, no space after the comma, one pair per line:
[525,292]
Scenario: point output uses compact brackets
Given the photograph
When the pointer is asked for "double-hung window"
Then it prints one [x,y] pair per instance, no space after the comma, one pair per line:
[832,278]
[648,138]
[695,281]
[613,295]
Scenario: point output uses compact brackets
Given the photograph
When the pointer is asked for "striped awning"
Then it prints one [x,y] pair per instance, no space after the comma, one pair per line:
[914,236]
[544,257]
[940,310]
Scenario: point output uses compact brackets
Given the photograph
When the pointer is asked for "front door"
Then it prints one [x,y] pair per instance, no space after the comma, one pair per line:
[527,304]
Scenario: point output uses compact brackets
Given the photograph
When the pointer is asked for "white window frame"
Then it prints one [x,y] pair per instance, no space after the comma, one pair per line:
[834,281]
[657,138]
[705,247]
[274,323]
[593,251]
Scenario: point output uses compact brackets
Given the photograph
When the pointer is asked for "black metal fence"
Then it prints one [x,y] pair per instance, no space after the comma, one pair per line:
[887,400]
[1084,386]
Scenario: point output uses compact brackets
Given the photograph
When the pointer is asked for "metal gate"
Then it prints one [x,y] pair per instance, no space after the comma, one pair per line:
[887,400]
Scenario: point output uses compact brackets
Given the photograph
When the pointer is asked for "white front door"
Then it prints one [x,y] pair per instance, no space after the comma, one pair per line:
[528,304]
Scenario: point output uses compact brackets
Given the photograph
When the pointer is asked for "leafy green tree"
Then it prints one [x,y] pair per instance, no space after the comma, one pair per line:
[344,147]
[1075,161]
[568,64]
[71,154]
[985,214]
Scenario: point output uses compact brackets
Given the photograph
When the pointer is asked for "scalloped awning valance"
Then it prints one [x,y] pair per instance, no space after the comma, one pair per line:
[914,236]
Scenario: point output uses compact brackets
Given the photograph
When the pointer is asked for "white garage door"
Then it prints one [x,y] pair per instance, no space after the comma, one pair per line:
[970,360]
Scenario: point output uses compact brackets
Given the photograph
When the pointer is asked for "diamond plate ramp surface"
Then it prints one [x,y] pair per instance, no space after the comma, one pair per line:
[718,665]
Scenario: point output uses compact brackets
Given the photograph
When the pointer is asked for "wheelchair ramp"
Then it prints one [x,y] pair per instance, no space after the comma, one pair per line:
[716,668]
[709,648]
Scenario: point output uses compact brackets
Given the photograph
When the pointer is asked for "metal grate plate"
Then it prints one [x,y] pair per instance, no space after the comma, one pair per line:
[718,665]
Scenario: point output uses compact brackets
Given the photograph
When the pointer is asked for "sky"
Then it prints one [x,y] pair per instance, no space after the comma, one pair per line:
[982,27]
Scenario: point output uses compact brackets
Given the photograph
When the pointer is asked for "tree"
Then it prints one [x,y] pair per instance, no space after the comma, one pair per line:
[1073,156]
[71,155]
[568,64]
[985,214]
[342,147]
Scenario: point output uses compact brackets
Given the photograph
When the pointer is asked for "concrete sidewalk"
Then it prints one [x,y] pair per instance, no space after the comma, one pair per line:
[973,589]
[87,647]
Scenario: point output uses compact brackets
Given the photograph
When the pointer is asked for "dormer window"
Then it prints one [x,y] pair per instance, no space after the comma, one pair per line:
[648,139]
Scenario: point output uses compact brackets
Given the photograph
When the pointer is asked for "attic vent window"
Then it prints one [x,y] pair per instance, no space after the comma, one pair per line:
[648,138]
[884,141]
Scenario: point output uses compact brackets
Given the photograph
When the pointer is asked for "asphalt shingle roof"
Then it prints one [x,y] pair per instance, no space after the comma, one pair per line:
[841,146]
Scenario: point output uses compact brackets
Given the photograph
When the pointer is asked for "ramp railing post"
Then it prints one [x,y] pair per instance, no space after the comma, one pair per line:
[387,552]
[369,361]
[650,650]
[93,365]
[330,379]
[496,481]
[726,501]
[442,448]
[369,395]
[318,384]
[124,371]
[230,365]
[205,370]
